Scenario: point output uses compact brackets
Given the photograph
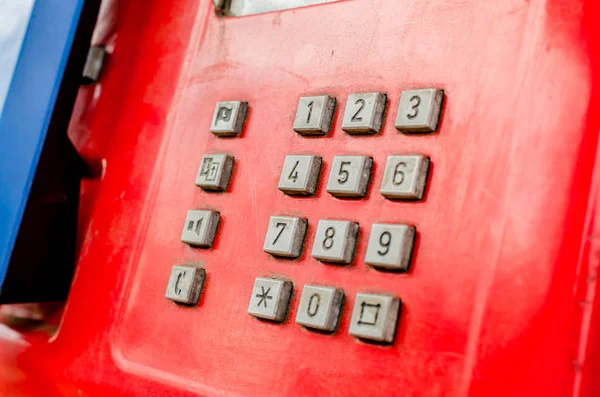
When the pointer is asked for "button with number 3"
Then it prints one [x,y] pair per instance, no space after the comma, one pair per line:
[349,176]
[405,177]
[390,246]
[335,241]
[419,110]
[300,175]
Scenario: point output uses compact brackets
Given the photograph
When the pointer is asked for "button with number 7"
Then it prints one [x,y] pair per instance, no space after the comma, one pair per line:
[390,246]
[285,236]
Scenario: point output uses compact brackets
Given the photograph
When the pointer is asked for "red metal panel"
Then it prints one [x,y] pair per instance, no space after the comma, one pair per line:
[500,299]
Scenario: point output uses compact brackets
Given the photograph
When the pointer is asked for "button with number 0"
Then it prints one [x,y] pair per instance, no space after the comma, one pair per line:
[285,236]
[419,110]
[320,307]
[405,177]
[364,113]
[349,176]
[390,246]
[314,115]
[335,241]
[300,175]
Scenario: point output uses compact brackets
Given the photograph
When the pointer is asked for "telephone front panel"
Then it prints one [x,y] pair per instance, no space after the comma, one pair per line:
[352,198]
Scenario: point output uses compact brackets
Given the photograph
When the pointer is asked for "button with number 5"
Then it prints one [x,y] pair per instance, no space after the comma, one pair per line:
[390,246]
[419,110]
[349,176]
[405,177]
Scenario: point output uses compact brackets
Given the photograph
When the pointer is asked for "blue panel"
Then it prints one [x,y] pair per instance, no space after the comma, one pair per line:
[28,107]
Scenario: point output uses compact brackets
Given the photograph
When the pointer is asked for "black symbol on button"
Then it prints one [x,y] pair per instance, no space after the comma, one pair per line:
[264,296]
[223,114]
[313,305]
[176,288]
[196,229]
[366,310]
[209,169]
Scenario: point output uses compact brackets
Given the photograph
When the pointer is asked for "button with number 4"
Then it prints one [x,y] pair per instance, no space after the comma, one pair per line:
[419,110]
[285,236]
[349,176]
[300,175]
[335,241]
[390,246]
[405,177]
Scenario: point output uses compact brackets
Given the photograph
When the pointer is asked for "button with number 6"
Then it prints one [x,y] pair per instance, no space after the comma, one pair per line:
[405,177]
[390,246]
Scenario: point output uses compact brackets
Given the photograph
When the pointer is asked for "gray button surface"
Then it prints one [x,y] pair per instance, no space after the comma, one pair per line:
[200,228]
[320,307]
[390,246]
[270,299]
[419,110]
[285,236]
[314,115]
[185,284]
[374,317]
[300,175]
[405,177]
[228,118]
[349,176]
[335,241]
[215,172]
[364,113]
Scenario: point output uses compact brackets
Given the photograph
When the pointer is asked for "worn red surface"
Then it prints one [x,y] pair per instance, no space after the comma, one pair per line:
[500,299]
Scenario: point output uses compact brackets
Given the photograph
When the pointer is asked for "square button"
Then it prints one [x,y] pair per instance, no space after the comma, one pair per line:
[349,176]
[335,241]
[320,307]
[419,110]
[285,236]
[200,228]
[374,317]
[270,299]
[405,177]
[228,118]
[215,172]
[185,284]
[364,113]
[300,175]
[314,115]
[390,246]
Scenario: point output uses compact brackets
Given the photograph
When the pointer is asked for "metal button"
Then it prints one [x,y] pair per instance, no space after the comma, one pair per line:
[320,307]
[405,177]
[200,228]
[314,115]
[300,175]
[185,284]
[270,299]
[374,317]
[390,246]
[335,241]
[419,110]
[285,236]
[349,176]
[364,113]
[228,118]
[215,172]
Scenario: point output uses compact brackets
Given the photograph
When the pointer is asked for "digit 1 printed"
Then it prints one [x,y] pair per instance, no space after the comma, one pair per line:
[310,109]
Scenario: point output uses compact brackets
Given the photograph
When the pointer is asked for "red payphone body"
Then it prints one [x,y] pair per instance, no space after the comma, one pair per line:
[499,298]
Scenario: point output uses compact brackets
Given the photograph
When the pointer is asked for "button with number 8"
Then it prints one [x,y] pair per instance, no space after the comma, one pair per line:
[300,175]
[405,177]
[390,246]
[335,241]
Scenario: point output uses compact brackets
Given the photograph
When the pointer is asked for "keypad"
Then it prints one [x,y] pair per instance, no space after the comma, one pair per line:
[374,317]
[364,113]
[405,177]
[390,246]
[215,172]
[419,110]
[200,228]
[335,241]
[300,175]
[270,299]
[228,118]
[285,236]
[320,307]
[185,284]
[314,115]
[349,176]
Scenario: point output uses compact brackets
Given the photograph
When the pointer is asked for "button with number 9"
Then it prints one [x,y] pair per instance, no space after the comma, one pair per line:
[390,246]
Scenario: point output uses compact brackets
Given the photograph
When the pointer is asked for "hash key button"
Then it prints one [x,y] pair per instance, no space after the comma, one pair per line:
[374,317]
[270,299]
